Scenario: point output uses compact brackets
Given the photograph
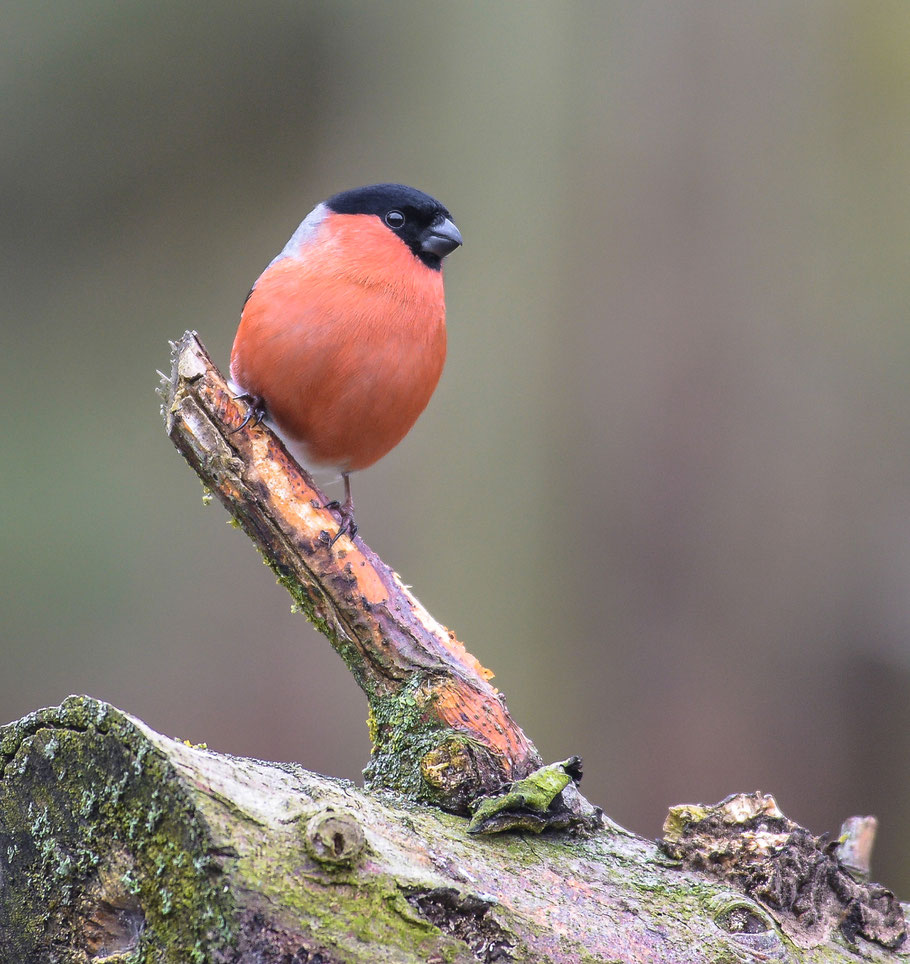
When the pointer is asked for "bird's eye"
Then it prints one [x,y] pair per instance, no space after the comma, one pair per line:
[395,219]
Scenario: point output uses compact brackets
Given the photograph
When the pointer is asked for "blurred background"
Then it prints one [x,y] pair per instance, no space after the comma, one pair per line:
[664,487]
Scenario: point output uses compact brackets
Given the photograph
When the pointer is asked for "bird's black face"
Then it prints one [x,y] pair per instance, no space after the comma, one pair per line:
[424,225]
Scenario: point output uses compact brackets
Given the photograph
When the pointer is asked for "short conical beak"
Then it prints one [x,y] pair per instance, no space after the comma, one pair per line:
[441,239]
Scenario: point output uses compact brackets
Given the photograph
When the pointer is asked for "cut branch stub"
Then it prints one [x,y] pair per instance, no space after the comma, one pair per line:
[440,731]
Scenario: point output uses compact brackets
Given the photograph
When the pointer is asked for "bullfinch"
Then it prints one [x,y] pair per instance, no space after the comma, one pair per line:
[342,338]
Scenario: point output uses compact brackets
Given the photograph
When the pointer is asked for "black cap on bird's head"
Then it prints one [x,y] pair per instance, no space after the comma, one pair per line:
[424,225]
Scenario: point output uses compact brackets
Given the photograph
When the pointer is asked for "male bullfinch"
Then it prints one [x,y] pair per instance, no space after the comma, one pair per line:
[342,338]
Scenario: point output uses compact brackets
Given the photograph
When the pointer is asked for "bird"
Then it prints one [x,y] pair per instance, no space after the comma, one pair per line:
[342,339]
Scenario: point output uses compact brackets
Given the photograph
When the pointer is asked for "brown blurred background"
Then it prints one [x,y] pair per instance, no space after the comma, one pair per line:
[664,487]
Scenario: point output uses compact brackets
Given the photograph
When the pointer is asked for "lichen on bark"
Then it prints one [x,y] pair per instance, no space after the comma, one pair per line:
[104,846]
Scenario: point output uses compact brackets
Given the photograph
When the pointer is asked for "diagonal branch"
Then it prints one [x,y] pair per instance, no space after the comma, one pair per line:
[440,732]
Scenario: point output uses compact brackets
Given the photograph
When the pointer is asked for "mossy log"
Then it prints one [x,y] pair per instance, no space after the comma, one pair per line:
[120,844]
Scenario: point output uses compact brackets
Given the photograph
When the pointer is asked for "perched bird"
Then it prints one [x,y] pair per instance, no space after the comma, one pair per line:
[342,338]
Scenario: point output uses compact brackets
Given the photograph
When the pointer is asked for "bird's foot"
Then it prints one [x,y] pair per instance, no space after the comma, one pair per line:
[255,413]
[348,525]
[345,510]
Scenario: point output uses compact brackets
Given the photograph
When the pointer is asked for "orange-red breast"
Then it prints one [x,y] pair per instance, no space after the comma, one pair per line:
[342,338]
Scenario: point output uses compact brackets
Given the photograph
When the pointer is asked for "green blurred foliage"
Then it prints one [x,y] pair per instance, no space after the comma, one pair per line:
[664,487]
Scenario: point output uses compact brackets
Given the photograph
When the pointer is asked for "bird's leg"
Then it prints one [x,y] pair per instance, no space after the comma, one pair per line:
[345,510]
[256,412]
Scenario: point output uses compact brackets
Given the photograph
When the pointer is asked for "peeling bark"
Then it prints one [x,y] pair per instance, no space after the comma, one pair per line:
[802,878]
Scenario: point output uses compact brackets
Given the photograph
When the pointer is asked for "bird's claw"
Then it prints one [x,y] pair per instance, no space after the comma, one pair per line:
[255,413]
[348,525]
